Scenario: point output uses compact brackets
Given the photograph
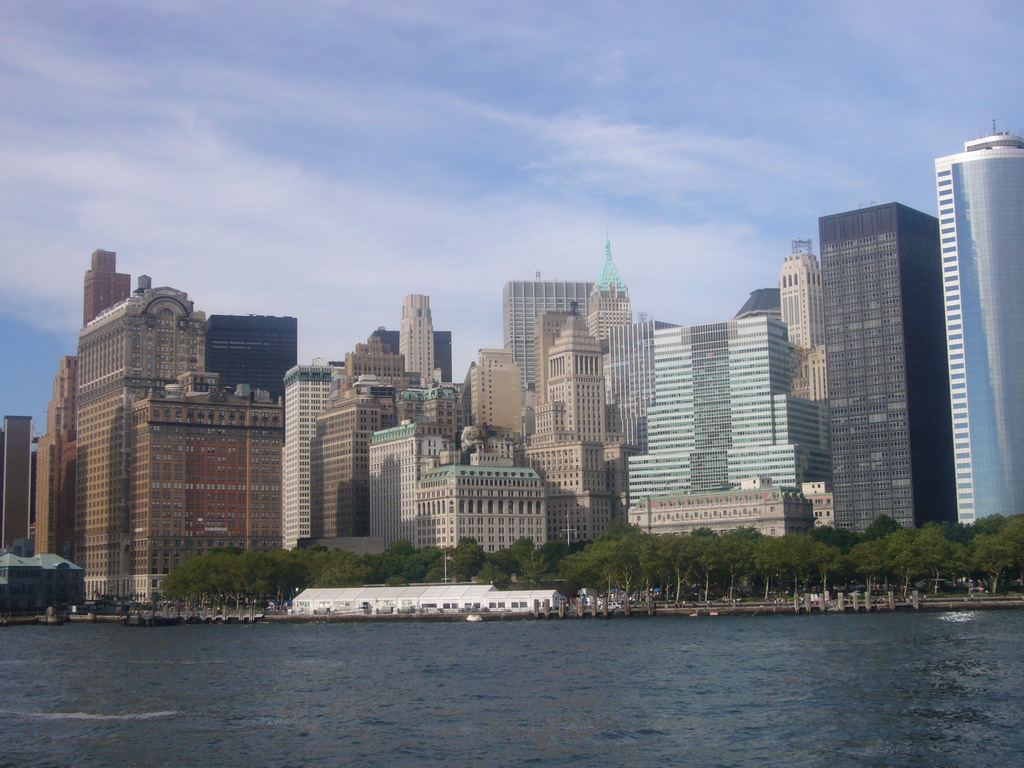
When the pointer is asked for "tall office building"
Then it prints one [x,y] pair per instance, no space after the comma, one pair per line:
[522,302]
[803,310]
[377,358]
[251,349]
[631,363]
[142,344]
[981,215]
[55,466]
[723,412]
[800,294]
[495,384]
[104,286]
[568,449]
[15,479]
[609,305]
[416,336]
[306,391]
[398,457]
[442,348]
[339,458]
[435,403]
[888,389]
[205,474]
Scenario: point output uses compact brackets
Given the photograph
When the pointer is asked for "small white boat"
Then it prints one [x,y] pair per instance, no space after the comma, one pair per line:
[474,617]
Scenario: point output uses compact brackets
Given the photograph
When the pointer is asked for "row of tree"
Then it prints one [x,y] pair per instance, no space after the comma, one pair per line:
[696,566]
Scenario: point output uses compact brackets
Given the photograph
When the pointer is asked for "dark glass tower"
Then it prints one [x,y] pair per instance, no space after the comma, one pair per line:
[252,349]
[892,446]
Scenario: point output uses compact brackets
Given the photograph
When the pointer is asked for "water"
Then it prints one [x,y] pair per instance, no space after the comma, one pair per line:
[876,690]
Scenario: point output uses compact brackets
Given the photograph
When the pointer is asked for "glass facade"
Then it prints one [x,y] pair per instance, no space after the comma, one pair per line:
[631,377]
[523,301]
[723,412]
[981,219]
[891,442]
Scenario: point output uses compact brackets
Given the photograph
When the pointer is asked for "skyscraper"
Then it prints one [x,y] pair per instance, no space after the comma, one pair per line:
[609,305]
[568,449]
[886,353]
[803,310]
[416,336]
[142,344]
[495,384]
[801,296]
[631,364]
[205,474]
[442,348]
[104,286]
[723,412]
[981,215]
[306,390]
[523,301]
[251,349]
[15,479]
[55,468]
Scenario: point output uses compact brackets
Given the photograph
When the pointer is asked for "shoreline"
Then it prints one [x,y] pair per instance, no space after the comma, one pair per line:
[805,607]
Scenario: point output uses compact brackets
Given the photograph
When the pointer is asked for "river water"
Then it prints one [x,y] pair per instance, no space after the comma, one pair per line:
[866,690]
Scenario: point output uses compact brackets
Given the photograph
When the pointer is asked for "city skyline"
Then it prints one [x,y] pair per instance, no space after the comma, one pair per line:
[346,156]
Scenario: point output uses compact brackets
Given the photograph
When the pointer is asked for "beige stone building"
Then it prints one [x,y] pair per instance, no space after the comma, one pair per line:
[495,383]
[306,394]
[768,509]
[374,358]
[398,457]
[339,458]
[416,337]
[139,345]
[609,305]
[568,449]
[822,502]
[489,500]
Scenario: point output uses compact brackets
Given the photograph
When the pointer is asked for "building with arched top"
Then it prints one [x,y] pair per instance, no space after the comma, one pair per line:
[136,346]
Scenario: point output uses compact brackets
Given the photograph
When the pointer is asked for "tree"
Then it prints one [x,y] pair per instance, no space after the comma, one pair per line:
[736,552]
[882,526]
[991,554]
[340,568]
[870,559]
[467,560]
[934,552]
[492,574]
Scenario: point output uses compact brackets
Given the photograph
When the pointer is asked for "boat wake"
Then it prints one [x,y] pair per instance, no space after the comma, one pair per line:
[95,716]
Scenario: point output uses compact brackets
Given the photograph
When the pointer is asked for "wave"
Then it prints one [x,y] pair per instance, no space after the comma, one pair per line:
[959,616]
[95,716]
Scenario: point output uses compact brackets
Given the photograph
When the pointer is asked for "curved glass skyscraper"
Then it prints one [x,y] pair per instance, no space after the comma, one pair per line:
[981,218]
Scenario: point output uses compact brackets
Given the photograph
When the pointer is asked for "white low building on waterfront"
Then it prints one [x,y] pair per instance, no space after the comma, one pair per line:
[422,598]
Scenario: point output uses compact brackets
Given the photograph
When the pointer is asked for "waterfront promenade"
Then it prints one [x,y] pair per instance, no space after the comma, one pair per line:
[804,605]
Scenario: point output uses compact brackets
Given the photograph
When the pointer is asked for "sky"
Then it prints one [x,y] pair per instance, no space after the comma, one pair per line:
[324,159]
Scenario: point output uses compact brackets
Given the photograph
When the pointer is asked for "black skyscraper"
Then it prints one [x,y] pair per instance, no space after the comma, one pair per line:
[252,349]
[892,445]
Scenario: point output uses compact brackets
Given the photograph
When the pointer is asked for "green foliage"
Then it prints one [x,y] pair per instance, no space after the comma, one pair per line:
[882,526]
[626,559]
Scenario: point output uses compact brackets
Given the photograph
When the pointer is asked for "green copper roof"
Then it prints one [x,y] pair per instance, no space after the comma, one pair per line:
[609,278]
[464,470]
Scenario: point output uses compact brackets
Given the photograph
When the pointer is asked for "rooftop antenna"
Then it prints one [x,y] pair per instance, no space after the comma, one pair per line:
[536,275]
[801,246]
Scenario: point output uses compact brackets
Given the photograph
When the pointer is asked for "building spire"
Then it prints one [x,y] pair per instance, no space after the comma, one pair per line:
[609,279]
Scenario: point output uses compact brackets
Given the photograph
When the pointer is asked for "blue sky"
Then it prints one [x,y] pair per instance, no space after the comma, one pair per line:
[323,159]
